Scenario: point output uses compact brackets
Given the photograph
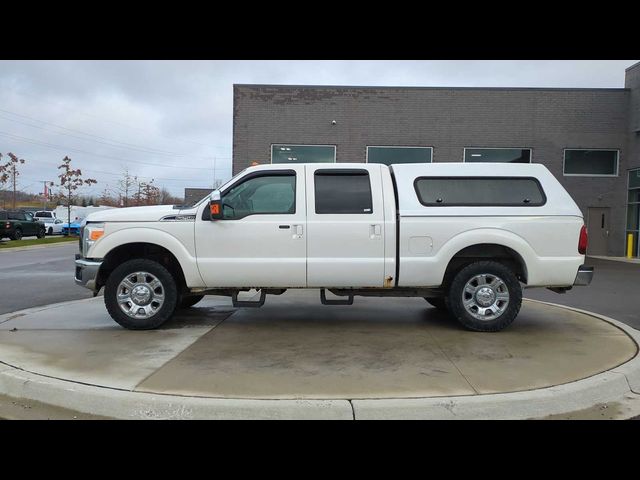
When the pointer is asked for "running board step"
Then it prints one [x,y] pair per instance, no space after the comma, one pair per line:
[323,299]
[246,303]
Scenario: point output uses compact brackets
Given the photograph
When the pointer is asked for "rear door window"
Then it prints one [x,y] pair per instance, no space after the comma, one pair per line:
[16,216]
[479,191]
[343,191]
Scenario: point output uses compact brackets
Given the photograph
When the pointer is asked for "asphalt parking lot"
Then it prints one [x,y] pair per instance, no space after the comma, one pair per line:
[30,278]
[40,276]
[614,292]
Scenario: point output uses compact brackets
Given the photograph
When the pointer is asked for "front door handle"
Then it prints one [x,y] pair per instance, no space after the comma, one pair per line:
[299,230]
[375,231]
[284,227]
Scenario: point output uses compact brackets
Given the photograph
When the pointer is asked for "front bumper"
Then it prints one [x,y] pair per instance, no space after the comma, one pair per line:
[87,272]
[584,276]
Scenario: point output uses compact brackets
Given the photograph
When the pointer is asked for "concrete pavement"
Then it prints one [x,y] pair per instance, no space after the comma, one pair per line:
[293,358]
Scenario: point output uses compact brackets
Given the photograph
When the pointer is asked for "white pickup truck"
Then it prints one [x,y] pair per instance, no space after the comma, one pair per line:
[465,236]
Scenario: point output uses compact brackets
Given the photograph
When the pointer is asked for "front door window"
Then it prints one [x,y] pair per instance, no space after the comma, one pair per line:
[260,196]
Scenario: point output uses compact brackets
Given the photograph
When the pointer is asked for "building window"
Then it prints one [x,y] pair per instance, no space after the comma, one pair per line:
[501,155]
[479,191]
[591,163]
[303,153]
[633,213]
[343,191]
[390,155]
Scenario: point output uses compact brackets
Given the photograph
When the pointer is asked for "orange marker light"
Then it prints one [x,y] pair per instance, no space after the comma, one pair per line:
[215,208]
[95,234]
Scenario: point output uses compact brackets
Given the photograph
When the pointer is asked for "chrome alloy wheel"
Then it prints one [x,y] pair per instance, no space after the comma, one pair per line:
[485,296]
[140,295]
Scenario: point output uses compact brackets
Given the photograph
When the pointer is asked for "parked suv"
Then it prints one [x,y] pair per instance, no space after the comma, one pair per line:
[17,224]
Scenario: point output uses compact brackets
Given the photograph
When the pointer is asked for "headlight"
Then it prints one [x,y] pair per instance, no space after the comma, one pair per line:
[90,235]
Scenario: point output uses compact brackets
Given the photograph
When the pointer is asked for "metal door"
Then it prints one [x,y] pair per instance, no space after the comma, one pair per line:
[598,230]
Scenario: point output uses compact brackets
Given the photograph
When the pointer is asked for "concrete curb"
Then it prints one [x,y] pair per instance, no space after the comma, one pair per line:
[610,386]
[123,404]
[606,387]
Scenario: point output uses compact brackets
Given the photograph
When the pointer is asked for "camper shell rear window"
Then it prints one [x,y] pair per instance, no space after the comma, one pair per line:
[479,191]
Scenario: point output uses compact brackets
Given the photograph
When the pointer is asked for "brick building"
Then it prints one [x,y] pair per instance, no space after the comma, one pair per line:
[588,138]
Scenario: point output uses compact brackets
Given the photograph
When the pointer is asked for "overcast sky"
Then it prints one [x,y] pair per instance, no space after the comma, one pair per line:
[172,120]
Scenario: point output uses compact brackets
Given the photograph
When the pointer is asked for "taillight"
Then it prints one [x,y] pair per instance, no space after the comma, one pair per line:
[583,241]
[7,225]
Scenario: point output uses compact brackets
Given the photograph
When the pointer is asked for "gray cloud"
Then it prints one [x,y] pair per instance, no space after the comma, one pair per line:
[168,120]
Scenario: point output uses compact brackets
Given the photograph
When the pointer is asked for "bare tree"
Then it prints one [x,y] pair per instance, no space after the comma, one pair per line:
[4,176]
[9,171]
[127,185]
[107,199]
[165,198]
[148,193]
[70,181]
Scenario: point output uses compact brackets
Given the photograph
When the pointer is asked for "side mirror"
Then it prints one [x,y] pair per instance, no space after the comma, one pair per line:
[215,206]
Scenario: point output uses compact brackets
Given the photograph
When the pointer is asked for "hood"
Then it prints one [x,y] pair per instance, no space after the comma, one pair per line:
[137,214]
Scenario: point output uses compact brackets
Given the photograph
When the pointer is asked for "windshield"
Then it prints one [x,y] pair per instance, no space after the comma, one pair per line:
[222,187]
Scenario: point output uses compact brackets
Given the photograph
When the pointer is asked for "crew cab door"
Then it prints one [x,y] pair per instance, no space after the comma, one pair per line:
[261,241]
[345,223]
[31,224]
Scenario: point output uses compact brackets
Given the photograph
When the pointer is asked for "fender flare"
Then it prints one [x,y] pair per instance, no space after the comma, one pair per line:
[493,236]
[152,236]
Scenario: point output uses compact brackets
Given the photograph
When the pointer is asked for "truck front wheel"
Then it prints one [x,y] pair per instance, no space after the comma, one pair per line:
[140,294]
[485,296]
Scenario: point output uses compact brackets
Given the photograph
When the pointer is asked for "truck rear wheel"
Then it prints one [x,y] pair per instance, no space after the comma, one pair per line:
[485,296]
[17,235]
[140,294]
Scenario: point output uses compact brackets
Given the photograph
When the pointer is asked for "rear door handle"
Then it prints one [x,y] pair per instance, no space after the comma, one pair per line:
[283,227]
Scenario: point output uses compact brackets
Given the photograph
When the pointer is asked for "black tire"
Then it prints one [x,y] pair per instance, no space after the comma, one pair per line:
[50,232]
[168,285]
[440,303]
[190,301]
[17,234]
[40,233]
[491,323]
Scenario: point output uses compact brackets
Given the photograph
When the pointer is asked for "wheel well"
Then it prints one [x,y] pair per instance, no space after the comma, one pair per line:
[484,251]
[150,251]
